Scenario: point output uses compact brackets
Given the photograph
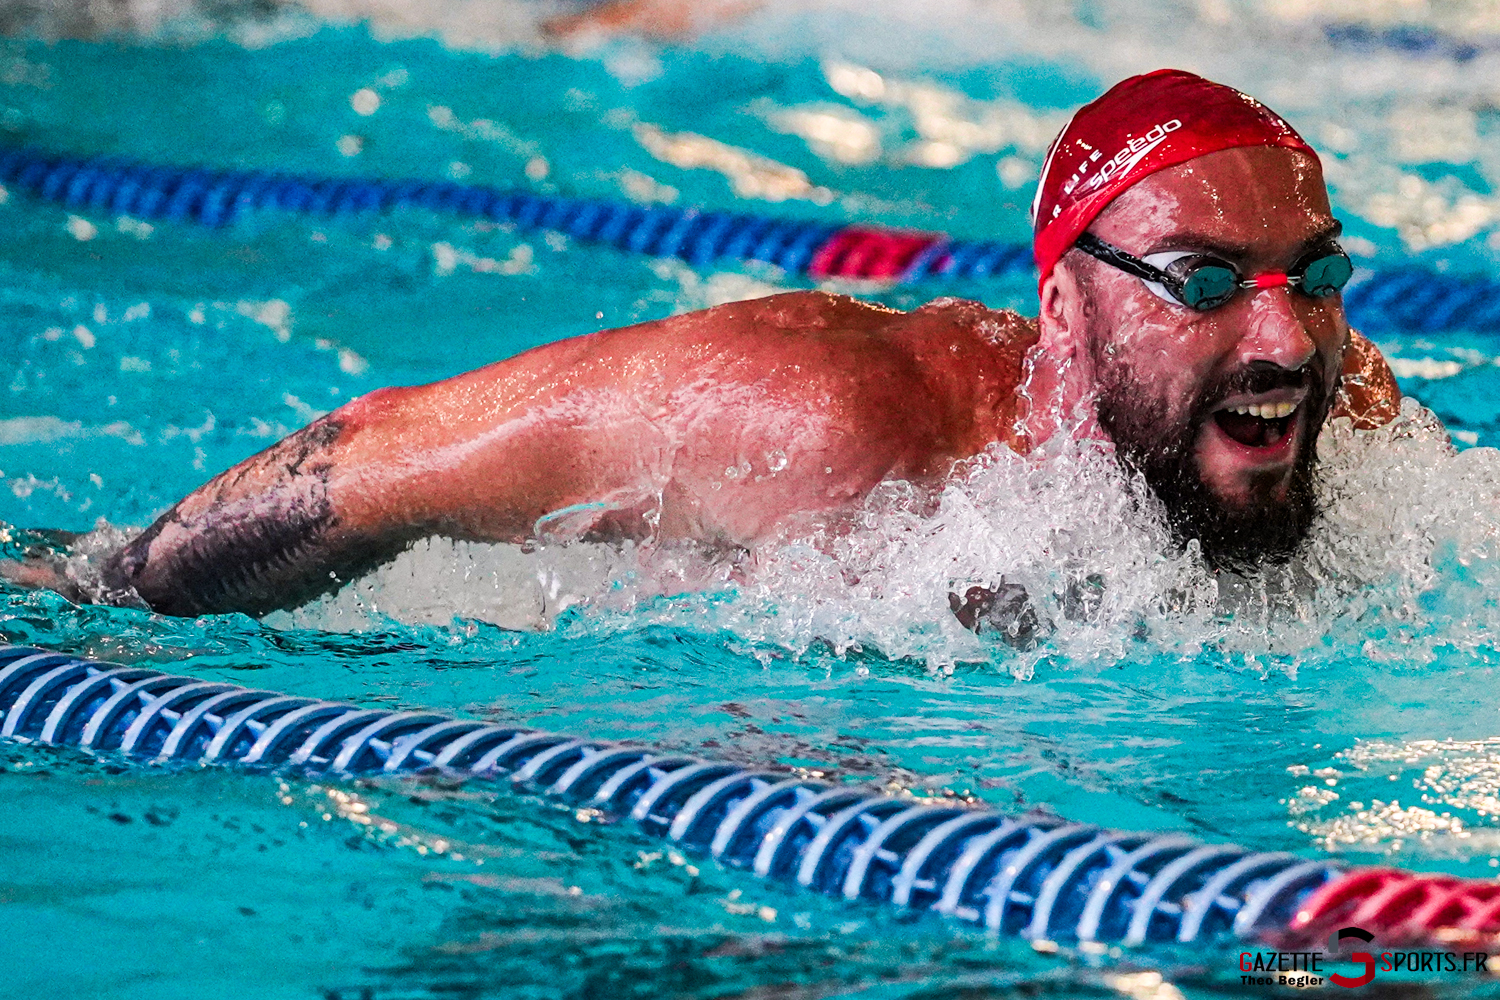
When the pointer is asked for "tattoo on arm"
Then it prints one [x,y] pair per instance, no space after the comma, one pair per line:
[247,546]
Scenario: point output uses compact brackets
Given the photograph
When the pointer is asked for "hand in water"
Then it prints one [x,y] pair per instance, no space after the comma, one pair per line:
[1007,610]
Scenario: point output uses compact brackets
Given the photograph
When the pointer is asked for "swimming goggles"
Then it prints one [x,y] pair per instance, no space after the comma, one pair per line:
[1203,281]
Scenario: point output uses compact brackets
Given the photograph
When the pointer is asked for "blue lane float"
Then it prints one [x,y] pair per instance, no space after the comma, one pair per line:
[1407,298]
[1031,876]
[1411,39]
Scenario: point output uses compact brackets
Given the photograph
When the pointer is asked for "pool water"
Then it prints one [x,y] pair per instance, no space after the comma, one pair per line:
[1347,706]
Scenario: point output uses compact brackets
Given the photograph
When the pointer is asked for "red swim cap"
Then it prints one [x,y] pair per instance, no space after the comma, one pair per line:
[1142,125]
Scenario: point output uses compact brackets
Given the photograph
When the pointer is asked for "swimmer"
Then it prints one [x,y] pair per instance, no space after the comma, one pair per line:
[1190,314]
[660,19]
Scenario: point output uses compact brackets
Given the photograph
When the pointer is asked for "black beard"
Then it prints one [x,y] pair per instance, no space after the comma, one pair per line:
[1232,536]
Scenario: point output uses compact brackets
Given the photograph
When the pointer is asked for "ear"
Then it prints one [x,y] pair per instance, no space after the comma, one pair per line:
[1060,322]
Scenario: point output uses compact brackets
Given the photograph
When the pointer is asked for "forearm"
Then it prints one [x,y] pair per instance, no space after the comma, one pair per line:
[353,489]
[269,533]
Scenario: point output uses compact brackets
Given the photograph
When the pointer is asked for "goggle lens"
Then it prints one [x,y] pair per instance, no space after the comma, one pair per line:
[1325,276]
[1207,283]
[1208,286]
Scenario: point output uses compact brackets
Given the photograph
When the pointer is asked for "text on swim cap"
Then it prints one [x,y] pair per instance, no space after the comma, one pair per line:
[1134,150]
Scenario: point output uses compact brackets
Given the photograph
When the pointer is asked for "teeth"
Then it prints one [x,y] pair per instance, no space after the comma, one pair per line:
[1265,411]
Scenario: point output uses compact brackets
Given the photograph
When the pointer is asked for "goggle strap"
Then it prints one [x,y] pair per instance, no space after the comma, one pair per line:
[1117,258]
[1134,266]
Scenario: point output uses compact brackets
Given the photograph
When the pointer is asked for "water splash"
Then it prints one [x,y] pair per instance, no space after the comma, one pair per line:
[1401,567]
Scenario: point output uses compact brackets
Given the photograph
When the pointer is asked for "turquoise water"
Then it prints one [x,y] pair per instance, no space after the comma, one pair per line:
[147,359]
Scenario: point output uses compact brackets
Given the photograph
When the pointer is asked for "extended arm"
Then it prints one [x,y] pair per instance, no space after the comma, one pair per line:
[722,426]
[480,456]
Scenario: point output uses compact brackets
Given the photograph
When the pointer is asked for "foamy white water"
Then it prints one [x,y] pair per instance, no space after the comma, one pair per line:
[1403,561]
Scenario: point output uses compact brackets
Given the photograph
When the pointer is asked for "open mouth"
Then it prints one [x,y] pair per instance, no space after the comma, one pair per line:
[1262,425]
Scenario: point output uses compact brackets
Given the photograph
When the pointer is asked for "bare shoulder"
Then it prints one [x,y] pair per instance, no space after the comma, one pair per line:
[812,399]
[1001,335]
[946,372]
[974,358]
[934,383]
[1369,395]
[998,325]
[811,316]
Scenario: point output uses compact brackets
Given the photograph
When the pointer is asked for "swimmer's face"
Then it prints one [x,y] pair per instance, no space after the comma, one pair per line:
[1173,384]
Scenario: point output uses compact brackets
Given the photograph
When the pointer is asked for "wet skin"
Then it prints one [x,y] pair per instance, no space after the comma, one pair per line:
[1260,208]
[737,424]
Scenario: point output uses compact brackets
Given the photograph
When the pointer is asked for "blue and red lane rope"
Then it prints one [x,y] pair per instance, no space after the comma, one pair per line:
[1031,876]
[1080,882]
[1409,299]
[219,198]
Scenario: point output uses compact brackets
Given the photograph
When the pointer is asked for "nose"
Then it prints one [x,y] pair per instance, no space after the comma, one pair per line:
[1275,332]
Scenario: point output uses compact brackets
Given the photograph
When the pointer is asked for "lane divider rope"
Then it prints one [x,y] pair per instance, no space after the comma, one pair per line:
[1031,876]
[1413,39]
[1405,298]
